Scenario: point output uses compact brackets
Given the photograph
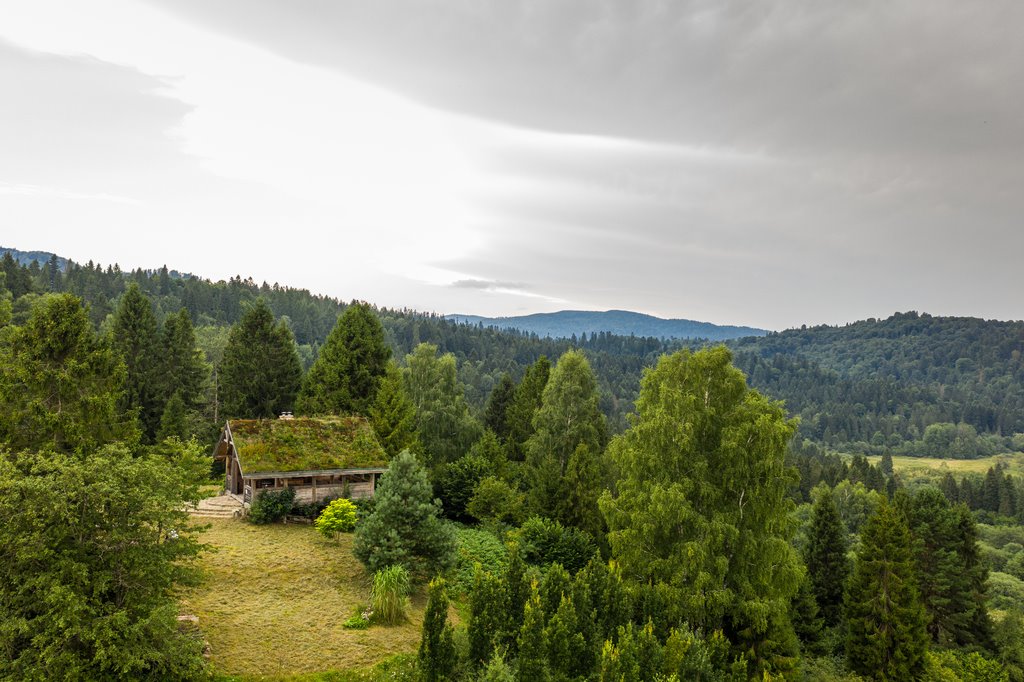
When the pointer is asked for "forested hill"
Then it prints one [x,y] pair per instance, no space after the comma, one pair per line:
[913,382]
[910,384]
[576,323]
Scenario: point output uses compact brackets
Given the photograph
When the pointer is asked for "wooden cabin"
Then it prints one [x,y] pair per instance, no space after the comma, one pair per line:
[317,457]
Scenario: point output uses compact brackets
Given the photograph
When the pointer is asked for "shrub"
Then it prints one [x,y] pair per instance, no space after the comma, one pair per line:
[271,506]
[546,541]
[338,517]
[456,483]
[390,595]
[494,500]
[312,510]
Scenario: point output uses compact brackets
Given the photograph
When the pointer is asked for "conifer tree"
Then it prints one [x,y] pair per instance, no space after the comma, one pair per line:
[885,465]
[183,368]
[950,489]
[556,584]
[404,527]
[945,589]
[517,587]
[60,384]
[488,615]
[526,402]
[569,427]
[807,622]
[352,362]
[825,558]
[260,372]
[498,404]
[533,655]
[565,643]
[973,574]
[886,637]
[136,339]
[437,656]
[392,415]
[174,421]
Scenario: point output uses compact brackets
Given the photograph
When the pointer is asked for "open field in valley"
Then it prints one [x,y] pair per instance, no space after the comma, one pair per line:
[1014,461]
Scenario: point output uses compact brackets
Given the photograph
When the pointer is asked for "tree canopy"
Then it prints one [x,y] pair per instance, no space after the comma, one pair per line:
[260,373]
[348,370]
[701,501]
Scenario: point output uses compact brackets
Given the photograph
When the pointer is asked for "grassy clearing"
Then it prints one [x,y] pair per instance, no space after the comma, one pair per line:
[274,600]
[1015,462]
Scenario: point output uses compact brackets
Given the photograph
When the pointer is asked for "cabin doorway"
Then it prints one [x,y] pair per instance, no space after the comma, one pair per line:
[237,484]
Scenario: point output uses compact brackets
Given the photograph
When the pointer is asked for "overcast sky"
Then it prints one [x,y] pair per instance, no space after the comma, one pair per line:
[769,163]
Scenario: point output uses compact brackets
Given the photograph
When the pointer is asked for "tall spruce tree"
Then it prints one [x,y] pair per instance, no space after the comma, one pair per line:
[392,414]
[702,503]
[825,557]
[260,373]
[886,637]
[135,336]
[944,585]
[183,369]
[61,386]
[570,429]
[348,371]
[973,572]
[498,404]
[525,403]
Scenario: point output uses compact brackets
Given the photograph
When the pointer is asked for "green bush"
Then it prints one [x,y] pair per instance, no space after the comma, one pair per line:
[271,505]
[338,517]
[545,541]
[311,510]
[390,595]
[495,500]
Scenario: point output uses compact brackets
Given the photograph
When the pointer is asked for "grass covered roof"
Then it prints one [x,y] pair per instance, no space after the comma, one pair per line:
[305,444]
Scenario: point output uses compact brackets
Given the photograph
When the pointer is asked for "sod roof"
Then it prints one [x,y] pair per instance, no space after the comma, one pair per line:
[304,444]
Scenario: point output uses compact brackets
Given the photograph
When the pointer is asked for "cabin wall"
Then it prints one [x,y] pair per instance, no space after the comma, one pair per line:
[305,494]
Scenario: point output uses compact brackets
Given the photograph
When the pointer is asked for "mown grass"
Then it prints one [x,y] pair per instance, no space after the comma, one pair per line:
[275,597]
[1014,462]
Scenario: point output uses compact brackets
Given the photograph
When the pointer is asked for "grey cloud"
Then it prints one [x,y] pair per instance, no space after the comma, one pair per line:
[803,160]
[79,125]
[925,76]
[488,285]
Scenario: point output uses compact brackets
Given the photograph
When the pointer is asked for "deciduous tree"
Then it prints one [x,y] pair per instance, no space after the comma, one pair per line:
[702,502]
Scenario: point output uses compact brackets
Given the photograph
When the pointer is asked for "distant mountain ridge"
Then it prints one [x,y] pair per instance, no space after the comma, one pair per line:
[566,323]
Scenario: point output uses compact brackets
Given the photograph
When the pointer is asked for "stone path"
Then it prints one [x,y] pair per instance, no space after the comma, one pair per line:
[222,507]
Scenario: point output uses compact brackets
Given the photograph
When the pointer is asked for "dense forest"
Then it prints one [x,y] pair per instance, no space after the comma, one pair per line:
[709,536]
[911,384]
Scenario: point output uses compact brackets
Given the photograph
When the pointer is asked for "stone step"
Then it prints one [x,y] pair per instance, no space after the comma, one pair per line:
[217,503]
[212,514]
